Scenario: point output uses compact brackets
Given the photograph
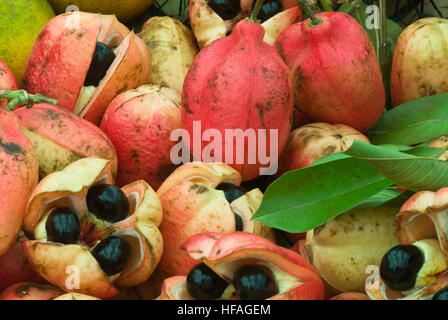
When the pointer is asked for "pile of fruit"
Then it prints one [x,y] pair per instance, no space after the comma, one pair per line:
[253,149]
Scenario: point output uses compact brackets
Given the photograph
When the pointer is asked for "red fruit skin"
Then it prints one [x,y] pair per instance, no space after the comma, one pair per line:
[14,268]
[334,71]
[19,172]
[300,119]
[139,123]
[30,291]
[7,81]
[239,82]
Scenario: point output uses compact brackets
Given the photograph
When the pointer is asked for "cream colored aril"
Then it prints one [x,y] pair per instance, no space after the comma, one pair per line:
[342,249]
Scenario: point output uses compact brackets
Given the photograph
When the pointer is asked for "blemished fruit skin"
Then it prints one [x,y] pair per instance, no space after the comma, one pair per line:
[313,141]
[139,123]
[31,291]
[20,24]
[336,78]
[172,47]
[19,169]
[60,137]
[62,56]
[15,268]
[7,81]
[420,61]
[125,10]
[239,82]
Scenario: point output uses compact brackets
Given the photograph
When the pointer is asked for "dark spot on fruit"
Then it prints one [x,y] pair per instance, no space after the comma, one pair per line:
[11,148]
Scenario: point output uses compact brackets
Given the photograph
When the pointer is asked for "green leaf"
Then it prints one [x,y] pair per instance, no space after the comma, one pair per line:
[303,199]
[416,172]
[386,197]
[413,122]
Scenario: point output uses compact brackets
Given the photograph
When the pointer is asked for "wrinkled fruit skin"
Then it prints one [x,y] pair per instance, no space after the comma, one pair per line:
[139,228]
[60,137]
[18,177]
[295,277]
[345,246]
[31,291]
[7,81]
[313,141]
[139,123]
[334,84]
[208,26]
[62,55]
[192,205]
[172,47]
[15,268]
[239,82]
[420,61]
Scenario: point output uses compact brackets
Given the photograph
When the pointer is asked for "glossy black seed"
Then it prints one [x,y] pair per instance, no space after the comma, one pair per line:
[63,226]
[102,60]
[400,266]
[254,282]
[239,222]
[231,191]
[269,9]
[112,254]
[107,202]
[226,9]
[204,284]
[441,295]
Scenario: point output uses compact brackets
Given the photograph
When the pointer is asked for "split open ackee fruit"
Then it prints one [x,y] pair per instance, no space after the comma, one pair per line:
[79,219]
[84,60]
[240,265]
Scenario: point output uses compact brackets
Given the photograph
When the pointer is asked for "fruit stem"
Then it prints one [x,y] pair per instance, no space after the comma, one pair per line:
[327,5]
[309,11]
[383,31]
[21,97]
[256,11]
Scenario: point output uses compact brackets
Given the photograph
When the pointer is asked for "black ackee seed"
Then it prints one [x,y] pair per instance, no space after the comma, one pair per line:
[400,266]
[254,282]
[269,9]
[441,295]
[102,60]
[112,254]
[226,9]
[63,226]
[204,284]
[107,202]
[233,192]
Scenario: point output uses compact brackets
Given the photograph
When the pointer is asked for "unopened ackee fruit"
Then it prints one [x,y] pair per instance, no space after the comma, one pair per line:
[139,123]
[238,83]
[313,141]
[7,81]
[336,84]
[420,61]
[172,47]
[19,170]
[343,248]
[84,60]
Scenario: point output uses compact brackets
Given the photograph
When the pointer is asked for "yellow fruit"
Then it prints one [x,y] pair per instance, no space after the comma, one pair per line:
[125,10]
[20,23]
